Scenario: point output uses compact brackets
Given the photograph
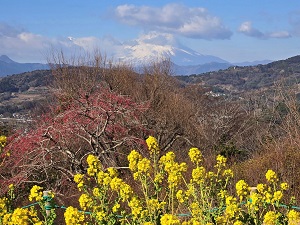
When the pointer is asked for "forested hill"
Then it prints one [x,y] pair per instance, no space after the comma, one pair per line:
[247,78]
[22,82]
[20,93]
[235,78]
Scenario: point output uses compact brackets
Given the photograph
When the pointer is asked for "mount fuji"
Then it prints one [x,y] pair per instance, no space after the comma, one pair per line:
[156,46]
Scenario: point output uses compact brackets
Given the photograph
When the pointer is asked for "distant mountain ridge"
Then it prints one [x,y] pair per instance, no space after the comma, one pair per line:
[9,67]
[235,79]
[244,78]
[185,60]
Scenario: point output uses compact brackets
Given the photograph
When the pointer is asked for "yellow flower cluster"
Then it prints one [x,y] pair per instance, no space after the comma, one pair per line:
[293,217]
[136,207]
[79,180]
[180,196]
[36,193]
[85,201]
[143,167]
[232,207]
[195,155]
[134,157]
[284,186]
[22,216]
[152,145]
[116,207]
[124,190]
[205,195]
[221,161]
[242,189]
[3,206]
[271,217]
[100,215]
[154,205]
[169,219]
[271,176]
[199,175]
[73,216]
[3,140]
[112,172]
[173,169]
[94,165]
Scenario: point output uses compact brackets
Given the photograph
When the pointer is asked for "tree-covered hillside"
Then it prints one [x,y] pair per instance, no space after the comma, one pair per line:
[239,79]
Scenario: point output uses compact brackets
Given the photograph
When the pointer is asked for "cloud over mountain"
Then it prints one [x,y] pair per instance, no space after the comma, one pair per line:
[22,44]
[177,19]
[26,46]
[156,46]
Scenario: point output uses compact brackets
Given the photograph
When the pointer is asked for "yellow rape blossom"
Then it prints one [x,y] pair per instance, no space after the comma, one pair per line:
[277,196]
[36,193]
[94,165]
[152,145]
[195,209]
[169,219]
[255,201]
[73,216]
[271,176]
[223,194]
[284,186]
[102,178]
[19,216]
[3,206]
[260,188]
[112,172]
[293,217]
[238,223]
[116,183]
[198,175]
[270,218]
[195,155]
[125,192]
[231,207]
[144,166]
[3,140]
[227,173]
[135,206]
[158,178]
[116,207]
[96,192]
[154,205]
[242,189]
[180,196]
[101,215]
[79,180]
[134,157]
[148,223]
[85,201]
[221,161]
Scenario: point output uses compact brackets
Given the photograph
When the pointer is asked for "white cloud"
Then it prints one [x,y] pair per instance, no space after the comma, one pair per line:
[174,18]
[247,29]
[24,46]
[279,34]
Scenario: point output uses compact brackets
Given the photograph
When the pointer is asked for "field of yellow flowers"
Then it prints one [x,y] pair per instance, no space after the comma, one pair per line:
[167,195]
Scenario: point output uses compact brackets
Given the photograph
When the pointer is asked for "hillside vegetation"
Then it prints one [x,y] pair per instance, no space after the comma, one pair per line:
[241,79]
[106,110]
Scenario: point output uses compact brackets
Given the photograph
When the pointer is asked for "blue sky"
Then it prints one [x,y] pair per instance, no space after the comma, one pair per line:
[234,30]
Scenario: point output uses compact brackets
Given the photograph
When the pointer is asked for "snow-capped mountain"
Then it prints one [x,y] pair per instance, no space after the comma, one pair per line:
[156,46]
